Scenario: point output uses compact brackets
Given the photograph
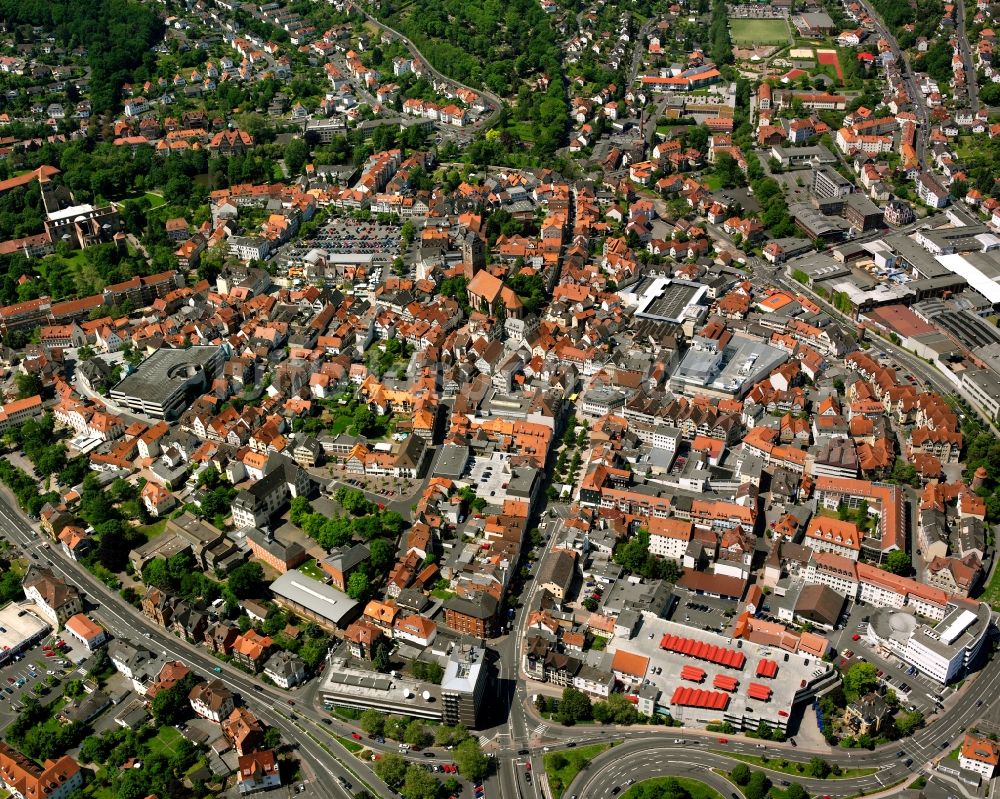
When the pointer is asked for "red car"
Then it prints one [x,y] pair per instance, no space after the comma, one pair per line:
[723,740]
[356,736]
[855,637]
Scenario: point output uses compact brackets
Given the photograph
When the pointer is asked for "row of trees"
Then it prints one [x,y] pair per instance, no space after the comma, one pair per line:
[371,525]
[575,706]
[412,781]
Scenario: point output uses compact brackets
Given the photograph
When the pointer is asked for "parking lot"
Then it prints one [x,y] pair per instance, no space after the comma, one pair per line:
[19,677]
[358,238]
[913,689]
[702,612]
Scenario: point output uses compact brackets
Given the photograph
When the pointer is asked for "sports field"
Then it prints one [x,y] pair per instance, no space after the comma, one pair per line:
[758,31]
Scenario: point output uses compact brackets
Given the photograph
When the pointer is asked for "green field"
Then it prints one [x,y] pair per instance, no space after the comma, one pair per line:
[653,787]
[312,569]
[991,593]
[758,31]
[562,767]
[793,767]
[350,745]
[165,741]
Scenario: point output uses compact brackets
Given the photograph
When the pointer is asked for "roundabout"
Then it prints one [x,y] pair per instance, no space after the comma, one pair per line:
[671,788]
[633,764]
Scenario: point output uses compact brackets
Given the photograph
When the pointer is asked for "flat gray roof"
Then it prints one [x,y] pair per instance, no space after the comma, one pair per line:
[165,371]
[318,597]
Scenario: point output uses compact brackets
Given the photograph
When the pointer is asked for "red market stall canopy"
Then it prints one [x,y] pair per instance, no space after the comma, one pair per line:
[692,673]
[696,697]
[699,650]
[767,668]
[757,691]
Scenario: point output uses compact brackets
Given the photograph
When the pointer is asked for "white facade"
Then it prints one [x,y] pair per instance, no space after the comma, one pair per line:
[666,546]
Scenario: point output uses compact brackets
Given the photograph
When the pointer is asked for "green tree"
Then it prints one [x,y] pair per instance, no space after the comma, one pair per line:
[383,555]
[861,678]
[818,768]
[416,734]
[574,706]
[358,585]
[898,562]
[796,791]
[909,723]
[471,761]
[28,384]
[419,784]
[296,153]
[171,706]
[391,769]
[373,722]
[246,580]
[380,656]
[758,786]
[10,587]
[131,784]
[272,738]
[740,774]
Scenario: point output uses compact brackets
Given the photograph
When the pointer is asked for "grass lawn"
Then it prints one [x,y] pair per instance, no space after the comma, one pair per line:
[442,594]
[165,741]
[696,789]
[713,181]
[311,569]
[524,131]
[991,593]
[151,531]
[155,200]
[759,31]
[570,763]
[954,753]
[349,744]
[599,643]
[792,767]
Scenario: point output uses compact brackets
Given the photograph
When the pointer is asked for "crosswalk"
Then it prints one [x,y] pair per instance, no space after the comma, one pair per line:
[541,729]
[484,739]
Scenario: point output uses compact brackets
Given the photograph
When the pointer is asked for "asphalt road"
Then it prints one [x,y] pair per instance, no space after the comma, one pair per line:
[639,755]
[303,731]
[919,108]
[972,79]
